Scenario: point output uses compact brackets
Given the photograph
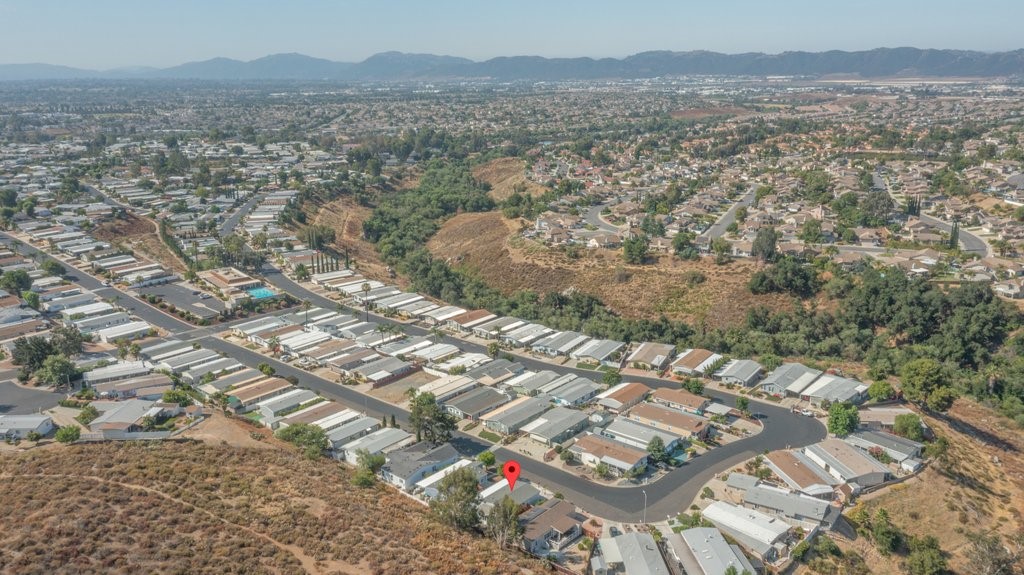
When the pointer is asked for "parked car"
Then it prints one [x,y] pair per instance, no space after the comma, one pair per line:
[807,412]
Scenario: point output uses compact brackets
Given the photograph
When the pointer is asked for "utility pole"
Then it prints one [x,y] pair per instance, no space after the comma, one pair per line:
[645,505]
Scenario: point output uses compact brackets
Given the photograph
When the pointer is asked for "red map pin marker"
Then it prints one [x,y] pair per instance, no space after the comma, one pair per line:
[511,470]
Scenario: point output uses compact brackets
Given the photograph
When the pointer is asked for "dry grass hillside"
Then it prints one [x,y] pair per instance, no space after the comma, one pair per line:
[139,234]
[195,508]
[504,174]
[489,246]
[978,486]
[346,217]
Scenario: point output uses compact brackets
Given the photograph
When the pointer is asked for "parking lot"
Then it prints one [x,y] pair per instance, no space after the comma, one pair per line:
[183,296]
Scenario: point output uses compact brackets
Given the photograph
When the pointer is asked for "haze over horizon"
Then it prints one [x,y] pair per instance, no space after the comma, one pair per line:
[107,34]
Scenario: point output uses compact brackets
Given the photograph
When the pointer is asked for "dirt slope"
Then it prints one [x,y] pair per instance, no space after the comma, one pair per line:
[193,508]
[489,245]
[139,234]
[504,174]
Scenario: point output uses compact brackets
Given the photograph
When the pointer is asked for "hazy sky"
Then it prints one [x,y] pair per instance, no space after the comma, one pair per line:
[113,33]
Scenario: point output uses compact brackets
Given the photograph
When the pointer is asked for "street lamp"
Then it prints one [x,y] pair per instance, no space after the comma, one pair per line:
[645,505]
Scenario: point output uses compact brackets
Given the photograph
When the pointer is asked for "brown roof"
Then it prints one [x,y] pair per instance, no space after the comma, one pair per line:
[693,358]
[665,418]
[602,446]
[557,514]
[259,389]
[793,468]
[679,396]
[323,410]
[630,392]
[470,316]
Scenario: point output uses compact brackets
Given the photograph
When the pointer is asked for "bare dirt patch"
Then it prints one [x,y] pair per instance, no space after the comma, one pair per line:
[490,247]
[504,175]
[218,429]
[139,234]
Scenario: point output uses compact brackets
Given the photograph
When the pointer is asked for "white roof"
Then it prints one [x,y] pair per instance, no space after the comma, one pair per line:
[754,524]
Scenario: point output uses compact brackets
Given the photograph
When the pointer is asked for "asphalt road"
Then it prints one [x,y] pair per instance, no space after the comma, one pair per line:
[15,399]
[717,229]
[593,217]
[231,223]
[667,495]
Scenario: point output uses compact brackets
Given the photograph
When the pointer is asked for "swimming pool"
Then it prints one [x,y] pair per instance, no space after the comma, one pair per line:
[261,293]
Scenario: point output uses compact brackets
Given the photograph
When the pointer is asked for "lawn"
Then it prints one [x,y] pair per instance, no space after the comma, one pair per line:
[490,436]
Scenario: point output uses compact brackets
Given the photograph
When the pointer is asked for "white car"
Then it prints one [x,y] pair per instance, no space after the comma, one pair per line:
[807,412]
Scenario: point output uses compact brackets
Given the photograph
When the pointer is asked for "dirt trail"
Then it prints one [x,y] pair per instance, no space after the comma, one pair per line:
[308,563]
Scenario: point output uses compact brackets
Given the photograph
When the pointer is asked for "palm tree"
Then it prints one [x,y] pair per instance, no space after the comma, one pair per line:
[436,333]
[383,329]
[366,302]
[273,343]
[306,305]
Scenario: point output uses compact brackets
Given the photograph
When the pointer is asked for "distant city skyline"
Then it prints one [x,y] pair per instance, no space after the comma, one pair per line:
[105,34]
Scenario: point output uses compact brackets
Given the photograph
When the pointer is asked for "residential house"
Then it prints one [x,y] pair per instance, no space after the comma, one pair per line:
[788,376]
[405,467]
[800,473]
[639,435]
[695,362]
[381,441]
[623,396]
[556,426]
[475,403]
[551,527]
[511,417]
[898,448]
[796,507]
[704,551]
[847,463]
[760,534]
[652,356]
[620,458]
[20,426]
[631,553]
[743,372]
[680,423]
[680,400]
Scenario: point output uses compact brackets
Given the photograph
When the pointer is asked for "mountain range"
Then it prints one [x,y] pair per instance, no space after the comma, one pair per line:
[398,66]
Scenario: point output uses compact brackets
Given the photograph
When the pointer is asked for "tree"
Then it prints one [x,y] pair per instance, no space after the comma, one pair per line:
[682,245]
[15,281]
[811,231]
[31,299]
[301,272]
[742,403]
[611,377]
[493,349]
[602,470]
[68,434]
[885,535]
[656,449]
[267,369]
[309,438]
[990,554]
[921,378]
[177,396]
[634,250]
[764,246]
[722,250]
[693,385]
[371,461]
[87,415]
[393,422]
[53,268]
[57,370]
[30,352]
[67,340]
[457,498]
[429,420]
[881,390]
[908,425]
[487,458]
[843,418]
[925,557]
[503,523]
